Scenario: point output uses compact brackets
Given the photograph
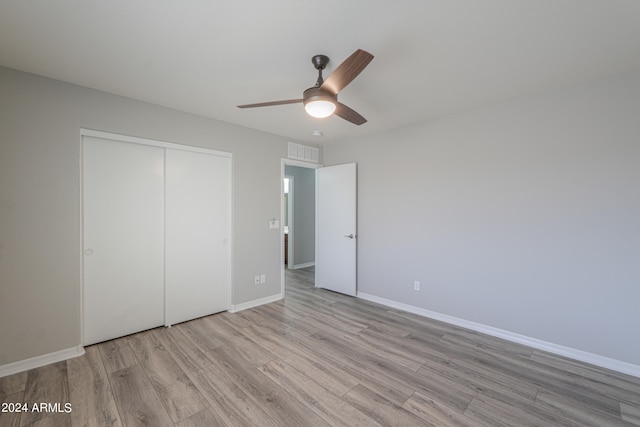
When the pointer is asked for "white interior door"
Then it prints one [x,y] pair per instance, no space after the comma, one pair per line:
[123,196]
[336,228]
[198,204]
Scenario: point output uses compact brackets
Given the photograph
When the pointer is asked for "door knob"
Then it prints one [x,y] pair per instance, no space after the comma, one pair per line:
[351,236]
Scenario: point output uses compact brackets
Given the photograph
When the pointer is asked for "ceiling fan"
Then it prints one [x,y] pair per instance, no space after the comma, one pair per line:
[321,100]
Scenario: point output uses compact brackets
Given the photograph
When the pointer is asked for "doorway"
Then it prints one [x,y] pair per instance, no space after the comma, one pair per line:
[298,216]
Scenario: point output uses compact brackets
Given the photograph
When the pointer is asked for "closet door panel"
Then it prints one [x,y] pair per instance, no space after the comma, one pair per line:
[197,247]
[123,196]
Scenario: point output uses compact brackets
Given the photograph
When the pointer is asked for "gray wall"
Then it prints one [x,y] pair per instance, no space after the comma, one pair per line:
[40,261]
[523,216]
[304,211]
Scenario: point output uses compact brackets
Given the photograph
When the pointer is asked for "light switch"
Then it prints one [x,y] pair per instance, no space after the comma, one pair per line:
[274,223]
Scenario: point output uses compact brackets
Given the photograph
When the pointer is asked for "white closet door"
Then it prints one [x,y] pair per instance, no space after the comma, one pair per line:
[123,194]
[197,243]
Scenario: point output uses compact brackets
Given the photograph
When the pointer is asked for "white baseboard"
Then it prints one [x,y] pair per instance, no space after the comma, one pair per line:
[303,265]
[572,353]
[254,303]
[38,361]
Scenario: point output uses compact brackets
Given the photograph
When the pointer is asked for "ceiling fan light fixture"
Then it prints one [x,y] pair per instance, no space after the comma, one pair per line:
[319,103]
[320,109]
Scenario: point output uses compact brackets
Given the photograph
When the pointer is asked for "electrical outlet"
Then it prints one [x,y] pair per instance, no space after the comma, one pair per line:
[256,280]
[416,286]
[263,278]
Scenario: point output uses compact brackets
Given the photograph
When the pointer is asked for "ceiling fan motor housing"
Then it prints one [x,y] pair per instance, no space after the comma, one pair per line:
[317,94]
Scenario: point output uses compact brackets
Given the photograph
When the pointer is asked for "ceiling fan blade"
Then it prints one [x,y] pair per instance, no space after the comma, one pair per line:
[347,71]
[269,104]
[349,115]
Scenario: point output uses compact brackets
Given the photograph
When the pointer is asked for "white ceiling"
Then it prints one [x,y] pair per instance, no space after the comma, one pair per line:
[432,58]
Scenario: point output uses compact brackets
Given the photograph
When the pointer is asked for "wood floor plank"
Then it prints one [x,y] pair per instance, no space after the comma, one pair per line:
[292,352]
[630,413]
[438,414]
[388,379]
[490,343]
[228,402]
[582,412]
[322,322]
[117,355]
[196,330]
[90,392]
[11,417]
[380,347]
[327,405]
[344,359]
[13,383]
[425,324]
[614,384]
[383,411]
[253,352]
[137,400]
[220,328]
[262,317]
[46,385]
[545,377]
[442,388]
[488,382]
[394,345]
[174,388]
[291,308]
[280,406]
[238,318]
[373,318]
[496,413]
[60,420]
[285,313]
[186,353]
[204,418]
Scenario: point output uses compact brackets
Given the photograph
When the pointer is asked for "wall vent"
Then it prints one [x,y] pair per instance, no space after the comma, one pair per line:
[304,153]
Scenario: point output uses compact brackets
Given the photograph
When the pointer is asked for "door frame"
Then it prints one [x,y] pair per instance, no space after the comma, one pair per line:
[289,212]
[283,163]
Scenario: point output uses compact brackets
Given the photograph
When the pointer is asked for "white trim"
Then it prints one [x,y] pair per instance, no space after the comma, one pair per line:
[231,243]
[153,142]
[255,303]
[303,265]
[81,235]
[38,361]
[289,209]
[583,356]
[292,162]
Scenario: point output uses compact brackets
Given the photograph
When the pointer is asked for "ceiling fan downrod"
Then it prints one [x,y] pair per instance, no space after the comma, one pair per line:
[320,62]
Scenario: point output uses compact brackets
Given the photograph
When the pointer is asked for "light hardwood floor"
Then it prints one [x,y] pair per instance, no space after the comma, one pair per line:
[317,359]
